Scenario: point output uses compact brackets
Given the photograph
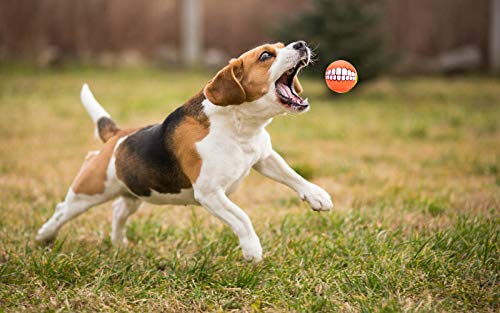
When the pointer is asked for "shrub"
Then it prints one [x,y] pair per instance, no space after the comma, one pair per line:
[342,29]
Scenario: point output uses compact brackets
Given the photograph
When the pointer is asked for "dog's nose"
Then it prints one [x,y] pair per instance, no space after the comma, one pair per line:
[300,45]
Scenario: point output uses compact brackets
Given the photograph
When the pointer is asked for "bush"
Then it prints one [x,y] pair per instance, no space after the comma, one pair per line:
[342,29]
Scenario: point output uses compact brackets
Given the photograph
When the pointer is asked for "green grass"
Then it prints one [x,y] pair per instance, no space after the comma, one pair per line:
[412,165]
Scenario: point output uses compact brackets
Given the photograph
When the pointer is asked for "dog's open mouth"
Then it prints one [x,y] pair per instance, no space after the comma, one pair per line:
[285,91]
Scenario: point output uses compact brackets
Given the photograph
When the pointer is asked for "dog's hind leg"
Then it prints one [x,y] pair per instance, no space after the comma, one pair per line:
[72,206]
[123,207]
[94,184]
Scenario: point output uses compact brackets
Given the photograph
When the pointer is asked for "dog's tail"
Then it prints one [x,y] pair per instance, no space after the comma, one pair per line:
[105,128]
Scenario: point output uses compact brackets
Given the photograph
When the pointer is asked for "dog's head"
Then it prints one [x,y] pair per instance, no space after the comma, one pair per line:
[265,77]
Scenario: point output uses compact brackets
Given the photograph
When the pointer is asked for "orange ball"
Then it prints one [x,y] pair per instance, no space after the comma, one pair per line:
[341,76]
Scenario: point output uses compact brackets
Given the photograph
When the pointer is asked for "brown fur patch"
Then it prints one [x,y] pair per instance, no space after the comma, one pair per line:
[186,135]
[194,108]
[92,176]
[255,73]
[106,128]
[144,163]
[225,88]
[245,79]
[163,157]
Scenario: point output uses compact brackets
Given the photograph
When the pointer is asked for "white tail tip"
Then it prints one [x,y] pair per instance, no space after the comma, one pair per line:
[95,110]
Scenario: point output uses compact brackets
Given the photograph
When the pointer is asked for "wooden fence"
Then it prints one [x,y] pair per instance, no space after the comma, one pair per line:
[77,28]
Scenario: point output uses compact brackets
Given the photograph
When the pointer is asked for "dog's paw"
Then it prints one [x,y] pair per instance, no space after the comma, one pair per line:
[44,238]
[252,250]
[317,197]
[119,242]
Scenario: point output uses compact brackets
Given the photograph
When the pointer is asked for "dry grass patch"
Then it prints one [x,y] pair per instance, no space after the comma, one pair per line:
[413,166]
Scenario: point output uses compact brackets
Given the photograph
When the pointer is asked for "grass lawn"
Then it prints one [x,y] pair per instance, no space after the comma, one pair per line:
[412,164]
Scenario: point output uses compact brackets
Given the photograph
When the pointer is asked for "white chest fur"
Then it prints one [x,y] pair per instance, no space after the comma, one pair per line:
[233,145]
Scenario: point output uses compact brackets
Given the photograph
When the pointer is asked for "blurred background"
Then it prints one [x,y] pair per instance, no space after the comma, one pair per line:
[377,36]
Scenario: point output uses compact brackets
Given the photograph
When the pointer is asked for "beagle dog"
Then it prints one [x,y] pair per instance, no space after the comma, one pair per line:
[201,152]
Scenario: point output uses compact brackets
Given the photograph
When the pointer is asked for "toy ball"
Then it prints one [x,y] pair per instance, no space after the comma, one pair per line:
[341,76]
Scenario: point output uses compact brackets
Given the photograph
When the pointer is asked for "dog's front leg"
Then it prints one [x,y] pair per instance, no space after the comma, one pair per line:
[217,203]
[274,167]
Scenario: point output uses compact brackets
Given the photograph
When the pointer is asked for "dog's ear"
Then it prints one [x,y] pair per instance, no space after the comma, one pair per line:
[296,85]
[225,88]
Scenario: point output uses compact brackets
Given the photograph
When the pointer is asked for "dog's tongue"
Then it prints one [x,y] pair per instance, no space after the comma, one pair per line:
[286,91]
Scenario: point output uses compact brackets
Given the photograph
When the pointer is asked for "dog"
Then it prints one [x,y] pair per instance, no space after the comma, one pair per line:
[201,152]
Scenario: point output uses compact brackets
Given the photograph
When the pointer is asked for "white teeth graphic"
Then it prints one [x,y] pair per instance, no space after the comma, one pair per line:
[340,74]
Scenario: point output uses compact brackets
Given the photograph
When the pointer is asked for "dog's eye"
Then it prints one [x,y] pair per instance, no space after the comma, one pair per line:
[265,56]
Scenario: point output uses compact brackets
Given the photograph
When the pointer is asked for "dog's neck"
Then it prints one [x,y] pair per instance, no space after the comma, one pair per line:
[244,121]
